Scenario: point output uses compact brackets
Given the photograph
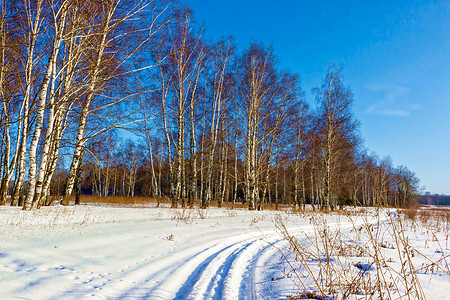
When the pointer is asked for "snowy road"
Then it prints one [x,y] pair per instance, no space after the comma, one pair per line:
[140,254]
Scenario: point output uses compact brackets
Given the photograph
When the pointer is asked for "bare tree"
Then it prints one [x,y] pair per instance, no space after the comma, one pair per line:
[30,24]
[155,190]
[266,97]
[301,146]
[118,37]
[258,89]
[181,57]
[220,88]
[11,110]
[59,13]
[337,131]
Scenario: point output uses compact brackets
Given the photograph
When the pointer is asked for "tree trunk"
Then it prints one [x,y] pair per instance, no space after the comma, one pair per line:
[78,182]
[32,159]
[51,68]
[78,153]
[225,171]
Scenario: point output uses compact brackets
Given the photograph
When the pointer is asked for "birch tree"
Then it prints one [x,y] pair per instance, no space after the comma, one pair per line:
[59,13]
[30,25]
[221,92]
[11,110]
[119,35]
[284,106]
[67,84]
[66,22]
[155,190]
[337,132]
[301,146]
[181,58]
[259,91]
[164,83]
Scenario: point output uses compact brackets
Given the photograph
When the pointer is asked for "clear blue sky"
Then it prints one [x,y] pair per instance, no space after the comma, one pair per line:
[395,57]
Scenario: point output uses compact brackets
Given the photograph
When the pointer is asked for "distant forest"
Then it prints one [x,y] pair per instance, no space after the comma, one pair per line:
[435,199]
[205,121]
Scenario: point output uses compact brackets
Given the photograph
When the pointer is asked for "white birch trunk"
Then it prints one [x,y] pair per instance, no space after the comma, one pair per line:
[225,171]
[49,136]
[32,158]
[80,141]
[77,154]
[31,38]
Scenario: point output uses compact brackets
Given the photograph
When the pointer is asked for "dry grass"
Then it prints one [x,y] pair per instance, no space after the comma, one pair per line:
[428,215]
[229,205]
[375,260]
[149,201]
[51,217]
[120,200]
[187,215]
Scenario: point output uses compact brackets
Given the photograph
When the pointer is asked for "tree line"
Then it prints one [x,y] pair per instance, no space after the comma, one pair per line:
[429,199]
[209,122]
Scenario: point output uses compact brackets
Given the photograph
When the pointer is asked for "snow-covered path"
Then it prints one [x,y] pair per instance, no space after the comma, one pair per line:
[139,253]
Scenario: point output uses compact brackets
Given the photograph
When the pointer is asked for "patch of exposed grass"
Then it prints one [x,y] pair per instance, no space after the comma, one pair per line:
[121,200]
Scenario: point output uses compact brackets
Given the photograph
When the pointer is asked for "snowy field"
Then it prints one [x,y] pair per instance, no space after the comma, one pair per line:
[93,252]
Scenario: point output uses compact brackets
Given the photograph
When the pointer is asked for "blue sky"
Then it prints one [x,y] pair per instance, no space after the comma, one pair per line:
[395,57]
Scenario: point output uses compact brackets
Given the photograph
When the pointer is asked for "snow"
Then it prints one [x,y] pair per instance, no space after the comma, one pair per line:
[93,252]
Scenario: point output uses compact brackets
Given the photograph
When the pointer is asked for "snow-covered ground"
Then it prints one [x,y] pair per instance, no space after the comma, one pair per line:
[92,252]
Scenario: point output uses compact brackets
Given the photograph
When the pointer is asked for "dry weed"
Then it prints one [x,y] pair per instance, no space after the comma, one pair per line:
[373,260]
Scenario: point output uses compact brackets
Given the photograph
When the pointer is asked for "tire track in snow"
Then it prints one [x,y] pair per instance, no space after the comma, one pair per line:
[196,285]
[217,276]
[204,274]
[237,285]
[259,271]
[185,272]
[216,272]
